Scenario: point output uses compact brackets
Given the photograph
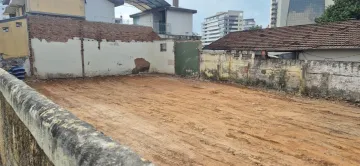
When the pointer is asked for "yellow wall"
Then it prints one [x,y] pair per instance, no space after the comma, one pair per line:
[227,67]
[19,12]
[65,7]
[14,43]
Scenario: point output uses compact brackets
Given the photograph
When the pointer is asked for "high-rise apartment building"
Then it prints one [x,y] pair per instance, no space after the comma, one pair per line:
[249,23]
[273,13]
[296,12]
[217,26]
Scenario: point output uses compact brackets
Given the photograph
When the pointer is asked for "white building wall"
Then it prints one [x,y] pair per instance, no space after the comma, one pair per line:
[181,23]
[63,59]
[57,59]
[163,62]
[100,11]
[2,9]
[332,55]
[213,28]
[283,9]
[144,20]
[113,58]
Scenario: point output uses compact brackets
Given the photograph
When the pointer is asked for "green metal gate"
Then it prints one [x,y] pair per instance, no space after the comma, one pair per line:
[187,58]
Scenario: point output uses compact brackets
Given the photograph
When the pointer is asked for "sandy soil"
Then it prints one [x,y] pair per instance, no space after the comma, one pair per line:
[173,121]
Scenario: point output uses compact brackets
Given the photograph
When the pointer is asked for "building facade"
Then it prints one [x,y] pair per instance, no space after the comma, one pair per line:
[249,23]
[90,10]
[297,12]
[273,13]
[219,25]
[167,21]
[2,10]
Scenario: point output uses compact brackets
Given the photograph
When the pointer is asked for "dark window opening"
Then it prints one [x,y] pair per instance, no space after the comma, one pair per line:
[163,47]
[18,24]
[5,29]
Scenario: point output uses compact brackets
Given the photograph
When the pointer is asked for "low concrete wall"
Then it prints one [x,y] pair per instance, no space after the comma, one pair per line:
[36,132]
[314,78]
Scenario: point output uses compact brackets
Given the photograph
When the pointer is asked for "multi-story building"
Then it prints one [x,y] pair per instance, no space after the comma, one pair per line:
[273,13]
[249,23]
[91,10]
[217,26]
[298,12]
[2,10]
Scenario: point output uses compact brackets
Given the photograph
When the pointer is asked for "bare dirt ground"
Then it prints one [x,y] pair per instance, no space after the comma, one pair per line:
[172,121]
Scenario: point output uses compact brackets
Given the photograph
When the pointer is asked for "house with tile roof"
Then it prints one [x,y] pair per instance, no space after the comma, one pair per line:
[338,41]
[91,10]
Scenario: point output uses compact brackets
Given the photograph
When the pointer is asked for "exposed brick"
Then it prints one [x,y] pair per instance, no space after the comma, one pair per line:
[61,29]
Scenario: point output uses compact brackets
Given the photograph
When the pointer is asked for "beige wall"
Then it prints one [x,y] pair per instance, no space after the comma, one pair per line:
[65,7]
[15,42]
[347,55]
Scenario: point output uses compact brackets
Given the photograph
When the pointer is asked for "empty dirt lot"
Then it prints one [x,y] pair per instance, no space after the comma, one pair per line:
[172,121]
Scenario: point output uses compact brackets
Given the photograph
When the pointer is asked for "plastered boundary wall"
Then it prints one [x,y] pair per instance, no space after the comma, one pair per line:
[328,79]
[64,47]
[61,138]
[64,60]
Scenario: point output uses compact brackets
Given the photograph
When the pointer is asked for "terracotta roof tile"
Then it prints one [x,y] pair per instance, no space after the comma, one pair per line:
[336,35]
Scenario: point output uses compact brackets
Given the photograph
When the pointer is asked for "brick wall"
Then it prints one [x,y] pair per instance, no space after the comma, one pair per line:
[62,29]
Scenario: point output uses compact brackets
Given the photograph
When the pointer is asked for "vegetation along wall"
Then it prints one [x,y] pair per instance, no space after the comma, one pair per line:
[329,79]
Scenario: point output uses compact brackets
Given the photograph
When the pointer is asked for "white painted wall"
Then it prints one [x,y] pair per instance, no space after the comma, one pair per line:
[2,9]
[100,11]
[118,58]
[57,59]
[181,23]
[332,55]
[282,13]
[63,59]
[145,20]
[163,62]
[114,58]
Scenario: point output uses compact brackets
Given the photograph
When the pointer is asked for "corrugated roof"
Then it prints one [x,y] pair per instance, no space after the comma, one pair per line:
[144,5]
[338,35]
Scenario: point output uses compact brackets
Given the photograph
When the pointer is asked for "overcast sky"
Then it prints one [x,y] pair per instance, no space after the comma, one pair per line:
[258,9]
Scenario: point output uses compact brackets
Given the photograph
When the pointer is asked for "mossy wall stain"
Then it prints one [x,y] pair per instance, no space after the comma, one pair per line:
[340,80]
[18,146]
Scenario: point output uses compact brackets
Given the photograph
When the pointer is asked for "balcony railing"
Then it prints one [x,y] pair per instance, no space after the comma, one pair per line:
[162,28]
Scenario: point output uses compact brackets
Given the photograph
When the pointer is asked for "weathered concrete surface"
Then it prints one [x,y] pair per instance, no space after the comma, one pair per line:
[17,145]
[65,139]
[277,74]
[339,80]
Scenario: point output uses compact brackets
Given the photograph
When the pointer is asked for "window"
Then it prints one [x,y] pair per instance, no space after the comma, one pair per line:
[18,24]
[5,29]
[163,47]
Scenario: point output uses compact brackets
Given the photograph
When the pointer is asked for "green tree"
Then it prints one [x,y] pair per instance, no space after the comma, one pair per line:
[256,27]
[342,10]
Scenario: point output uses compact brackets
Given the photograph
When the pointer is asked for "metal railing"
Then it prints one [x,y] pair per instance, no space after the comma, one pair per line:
[162,28]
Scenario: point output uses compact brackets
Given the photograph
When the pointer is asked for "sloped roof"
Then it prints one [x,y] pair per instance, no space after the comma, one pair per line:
[62,29]
[144,5]
[338,35]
